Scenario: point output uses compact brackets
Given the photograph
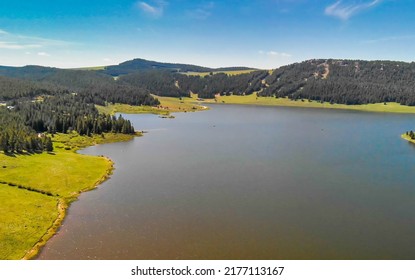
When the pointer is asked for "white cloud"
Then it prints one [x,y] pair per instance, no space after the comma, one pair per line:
[344,11]
[156,9]
[43,41]
[275,54]
[106,59]
[17,46]
[43,54]
[19,42]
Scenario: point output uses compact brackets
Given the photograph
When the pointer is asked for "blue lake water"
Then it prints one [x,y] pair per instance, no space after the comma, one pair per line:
[246,182]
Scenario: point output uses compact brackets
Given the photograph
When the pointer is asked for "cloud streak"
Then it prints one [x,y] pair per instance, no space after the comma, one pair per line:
[21,42]
[275,54]
[17,46]
[43,54]
[155,9]
[344,11]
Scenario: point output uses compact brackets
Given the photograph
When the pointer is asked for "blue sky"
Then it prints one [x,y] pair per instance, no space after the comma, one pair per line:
[261,33]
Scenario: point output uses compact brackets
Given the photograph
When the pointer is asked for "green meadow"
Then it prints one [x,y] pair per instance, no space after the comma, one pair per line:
[25,218]
[167,105]
[231,72]
[36,189]
[253,99]
[191,104]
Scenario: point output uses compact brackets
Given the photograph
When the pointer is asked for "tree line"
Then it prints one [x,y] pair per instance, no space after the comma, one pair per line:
[16,137]
[334,81]
[167,83]
[66,113]
[344,81]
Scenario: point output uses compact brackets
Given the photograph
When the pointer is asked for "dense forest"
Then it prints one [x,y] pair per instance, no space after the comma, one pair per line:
[16,137]
[344,82]
[334,81]
[37,99]
[22,126]
[166,83]
[60,101]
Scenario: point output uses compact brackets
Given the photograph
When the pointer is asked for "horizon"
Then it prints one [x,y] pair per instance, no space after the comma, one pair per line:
[229,66]
[264,34]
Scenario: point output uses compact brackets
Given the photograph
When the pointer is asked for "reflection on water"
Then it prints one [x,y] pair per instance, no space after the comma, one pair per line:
[240,182]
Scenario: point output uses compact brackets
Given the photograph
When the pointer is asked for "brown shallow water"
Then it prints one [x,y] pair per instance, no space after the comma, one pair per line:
[239,182]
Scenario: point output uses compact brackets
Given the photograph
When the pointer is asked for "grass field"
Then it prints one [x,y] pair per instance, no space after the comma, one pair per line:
[36,189]
[407,138]
[167,105]
[25,217]
[272,101]
[185,104]
[130,109]
[73,141]
[231,73]
[63,173]
[192,104]
[93,68]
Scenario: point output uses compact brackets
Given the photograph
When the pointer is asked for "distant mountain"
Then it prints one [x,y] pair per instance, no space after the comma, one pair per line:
[137,65]
[73,80]
[330,80]
[30,72]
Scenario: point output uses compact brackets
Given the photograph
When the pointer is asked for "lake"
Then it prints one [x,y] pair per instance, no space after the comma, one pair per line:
[247,182]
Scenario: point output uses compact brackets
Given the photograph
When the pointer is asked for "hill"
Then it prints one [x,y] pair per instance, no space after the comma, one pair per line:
[326,80]
[350,82]
[344,81]
[137,65]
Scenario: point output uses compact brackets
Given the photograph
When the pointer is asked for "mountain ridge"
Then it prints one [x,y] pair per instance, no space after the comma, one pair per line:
[342,81]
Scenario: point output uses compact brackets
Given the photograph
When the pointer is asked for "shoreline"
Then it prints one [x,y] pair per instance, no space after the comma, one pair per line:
[62,206]
[63,203]
[193,104]
[389,107]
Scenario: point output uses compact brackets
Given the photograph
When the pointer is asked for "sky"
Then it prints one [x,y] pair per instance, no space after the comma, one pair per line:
[263,34]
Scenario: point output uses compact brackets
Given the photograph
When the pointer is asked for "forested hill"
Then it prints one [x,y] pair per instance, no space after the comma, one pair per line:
[330,80]
[344,81]
[335,81]
[138,65]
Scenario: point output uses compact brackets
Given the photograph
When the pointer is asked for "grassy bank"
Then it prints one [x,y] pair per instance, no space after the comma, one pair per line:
[407,138]
[36,190]
[230,73]
[167,105]
[192,104]
[390,107]
[130,109]
[25,217]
